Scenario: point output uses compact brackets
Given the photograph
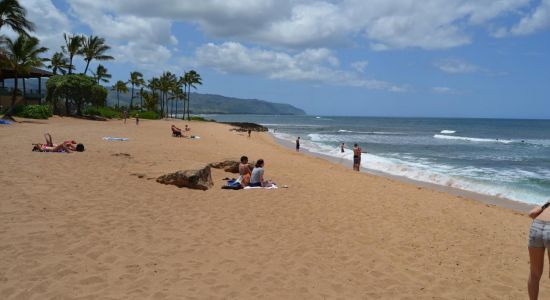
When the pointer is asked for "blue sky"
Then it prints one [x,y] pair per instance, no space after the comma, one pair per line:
[445,58]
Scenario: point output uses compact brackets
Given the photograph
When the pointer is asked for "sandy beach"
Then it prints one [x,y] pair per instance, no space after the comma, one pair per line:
[96,225]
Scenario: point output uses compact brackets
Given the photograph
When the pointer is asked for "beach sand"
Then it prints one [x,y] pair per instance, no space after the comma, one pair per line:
[96,225]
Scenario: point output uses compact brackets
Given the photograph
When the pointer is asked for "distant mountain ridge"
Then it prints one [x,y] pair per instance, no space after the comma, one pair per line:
[217,104]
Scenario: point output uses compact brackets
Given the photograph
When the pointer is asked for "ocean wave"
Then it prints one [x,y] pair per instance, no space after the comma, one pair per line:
[471,139]
[544,143]
[485,181]
[371,132]
[446,131]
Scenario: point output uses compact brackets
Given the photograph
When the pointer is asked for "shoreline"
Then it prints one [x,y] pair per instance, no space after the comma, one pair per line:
[486,199]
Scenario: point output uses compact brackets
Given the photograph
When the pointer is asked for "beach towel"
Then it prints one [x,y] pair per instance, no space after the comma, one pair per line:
[4,122]
[109,138]
[259,187]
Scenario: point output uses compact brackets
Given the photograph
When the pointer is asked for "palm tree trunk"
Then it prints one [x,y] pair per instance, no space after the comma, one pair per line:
[87,65]
[132,98]
[188,103]
[70,64]
[117,99]
[14,95]
[24,91]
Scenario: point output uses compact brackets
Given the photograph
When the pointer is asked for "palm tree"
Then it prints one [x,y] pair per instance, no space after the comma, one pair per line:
[94,47]
[101,75]
[192,78]
[73,44]
[167,80]
[119,87]
[13,15]
[58,62]
[153,84]
[21,56]
[136,80]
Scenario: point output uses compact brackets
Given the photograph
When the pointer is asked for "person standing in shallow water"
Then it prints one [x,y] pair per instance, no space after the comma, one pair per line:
[356,157]
[298,144]
[342,148]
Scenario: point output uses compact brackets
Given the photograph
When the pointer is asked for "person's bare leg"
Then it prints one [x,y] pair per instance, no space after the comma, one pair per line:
[49,141]
[536,258]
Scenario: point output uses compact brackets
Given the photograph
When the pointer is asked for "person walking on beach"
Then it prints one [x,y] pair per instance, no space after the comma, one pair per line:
[137,118]
[342,147]
[249,132]
[125,115]
[298,144]
[356,157]
[539,240]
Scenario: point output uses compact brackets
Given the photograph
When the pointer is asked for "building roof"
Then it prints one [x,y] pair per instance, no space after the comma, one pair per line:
[34,73]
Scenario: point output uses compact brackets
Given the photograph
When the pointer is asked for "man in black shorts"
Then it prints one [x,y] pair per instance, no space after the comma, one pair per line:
[298,144]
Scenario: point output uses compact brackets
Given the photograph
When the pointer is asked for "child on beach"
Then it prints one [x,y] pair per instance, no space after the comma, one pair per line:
[137,118]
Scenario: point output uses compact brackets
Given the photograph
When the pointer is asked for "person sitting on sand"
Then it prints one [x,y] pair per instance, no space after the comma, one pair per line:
[244,171]
[539,240]
[187,128]
[176,131]
[257,176]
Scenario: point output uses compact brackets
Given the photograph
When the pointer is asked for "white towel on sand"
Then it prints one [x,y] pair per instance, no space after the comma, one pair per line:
[259,187]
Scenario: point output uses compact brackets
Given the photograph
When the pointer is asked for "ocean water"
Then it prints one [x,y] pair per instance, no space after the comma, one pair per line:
[496,157]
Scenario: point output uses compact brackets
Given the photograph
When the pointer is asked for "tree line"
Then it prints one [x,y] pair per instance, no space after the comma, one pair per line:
[22,54]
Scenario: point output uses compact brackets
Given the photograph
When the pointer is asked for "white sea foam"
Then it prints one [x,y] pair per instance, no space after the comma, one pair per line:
[471,139]
[445,131]
[479,180]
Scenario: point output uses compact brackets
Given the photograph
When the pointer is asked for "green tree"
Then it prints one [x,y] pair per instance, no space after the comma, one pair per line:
[92,48]
[73,44]
[136,80]
[58,62]
[101,74]
[119,87]
[166,81]
[21,55]
[150,101]
[13,15]
[77,89]
[192,78]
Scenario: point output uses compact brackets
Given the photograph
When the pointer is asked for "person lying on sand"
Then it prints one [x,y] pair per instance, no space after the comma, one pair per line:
[63,147]
[539,240]
[66,146]
[257,176]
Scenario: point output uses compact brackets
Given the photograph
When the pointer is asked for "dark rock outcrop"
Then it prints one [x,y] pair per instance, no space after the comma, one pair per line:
[199,179]
[245,126]
[231,166]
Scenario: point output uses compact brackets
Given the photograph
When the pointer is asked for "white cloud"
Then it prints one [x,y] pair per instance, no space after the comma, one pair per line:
[315,65]
[360,65]
[429,24]
[539,19]
[50,22]
[142,41]
[456,66]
